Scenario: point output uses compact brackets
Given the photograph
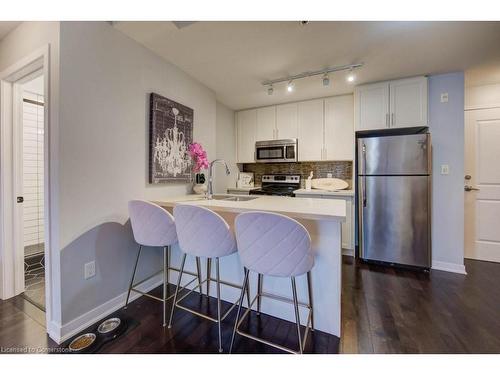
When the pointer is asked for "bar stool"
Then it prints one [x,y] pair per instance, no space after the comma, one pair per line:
[203,233]
[274,245]
[154,226]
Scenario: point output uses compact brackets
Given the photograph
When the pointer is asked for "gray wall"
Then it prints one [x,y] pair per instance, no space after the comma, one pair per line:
[446,121]
[105,83]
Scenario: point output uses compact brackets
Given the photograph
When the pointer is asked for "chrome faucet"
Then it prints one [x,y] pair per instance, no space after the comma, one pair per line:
[210,190]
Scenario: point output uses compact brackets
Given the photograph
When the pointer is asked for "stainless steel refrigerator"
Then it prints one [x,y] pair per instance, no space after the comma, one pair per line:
[394,196]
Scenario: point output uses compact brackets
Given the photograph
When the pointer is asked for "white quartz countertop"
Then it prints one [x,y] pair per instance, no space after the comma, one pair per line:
[243,188]
[299,208]
[339,193]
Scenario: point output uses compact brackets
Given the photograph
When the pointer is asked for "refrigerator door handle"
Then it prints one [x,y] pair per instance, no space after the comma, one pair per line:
[363,171]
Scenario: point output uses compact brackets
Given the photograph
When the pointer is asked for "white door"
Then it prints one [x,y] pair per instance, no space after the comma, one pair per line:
[266,123]
[408,102]
[286,121]
[310,124]
[246,122]
[339,128]
[482,206]
[372,106]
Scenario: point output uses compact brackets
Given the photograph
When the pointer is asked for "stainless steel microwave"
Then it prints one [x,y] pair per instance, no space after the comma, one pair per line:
[276,151]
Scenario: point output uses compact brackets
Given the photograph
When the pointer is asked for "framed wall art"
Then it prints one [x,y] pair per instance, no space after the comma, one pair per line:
[170,134]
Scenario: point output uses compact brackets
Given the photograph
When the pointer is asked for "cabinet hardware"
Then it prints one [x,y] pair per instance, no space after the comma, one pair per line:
[20,199]
[387,120]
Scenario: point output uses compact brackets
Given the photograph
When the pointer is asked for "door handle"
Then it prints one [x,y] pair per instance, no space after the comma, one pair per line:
[20,199]
[470,188]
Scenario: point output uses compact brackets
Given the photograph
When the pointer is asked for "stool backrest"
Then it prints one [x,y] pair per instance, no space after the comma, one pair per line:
[273,244]
[202,232]
[152,225]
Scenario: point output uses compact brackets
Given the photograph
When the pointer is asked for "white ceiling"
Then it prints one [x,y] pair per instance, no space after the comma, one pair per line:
[232,58]
[6,27]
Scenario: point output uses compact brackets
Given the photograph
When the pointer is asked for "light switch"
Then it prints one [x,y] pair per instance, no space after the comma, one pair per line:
[444,97]
[329,175]
[445,169]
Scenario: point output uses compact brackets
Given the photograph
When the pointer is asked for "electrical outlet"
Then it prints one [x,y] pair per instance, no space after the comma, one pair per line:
[329,175]
[445,169]
[444,97]
[89,270]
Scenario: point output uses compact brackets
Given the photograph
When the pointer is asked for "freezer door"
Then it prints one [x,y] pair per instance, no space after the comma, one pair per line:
[394,155]
[395,219]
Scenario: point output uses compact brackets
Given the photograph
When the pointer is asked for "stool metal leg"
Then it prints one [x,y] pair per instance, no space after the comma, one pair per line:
[248,295]
[309,292]
[133,276]
[259,292]
[177,290]
[164,285]
[243,290]
[209,274]
[198,271]
[297,316]
[218,303]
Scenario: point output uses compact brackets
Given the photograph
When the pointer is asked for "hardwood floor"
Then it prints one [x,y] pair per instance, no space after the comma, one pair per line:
[384,310]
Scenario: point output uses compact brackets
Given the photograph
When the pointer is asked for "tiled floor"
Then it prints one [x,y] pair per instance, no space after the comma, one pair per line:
[34,279]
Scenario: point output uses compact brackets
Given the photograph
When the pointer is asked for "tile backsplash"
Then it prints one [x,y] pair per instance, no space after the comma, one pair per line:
[338,169]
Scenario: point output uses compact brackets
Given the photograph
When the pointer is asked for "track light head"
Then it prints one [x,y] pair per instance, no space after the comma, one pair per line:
[290,86]
[326,80]
[350,76]
[270,90]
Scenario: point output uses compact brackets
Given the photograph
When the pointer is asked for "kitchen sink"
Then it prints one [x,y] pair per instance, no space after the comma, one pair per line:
[233,198]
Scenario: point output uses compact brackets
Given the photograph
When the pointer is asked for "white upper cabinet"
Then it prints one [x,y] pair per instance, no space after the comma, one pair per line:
[408,102]
[398,103]
[246,129]
[372,106]
[339,128]
[266,123]
[286,121]
[310,130]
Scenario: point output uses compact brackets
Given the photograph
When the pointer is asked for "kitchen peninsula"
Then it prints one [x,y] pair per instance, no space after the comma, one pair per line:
[321,217]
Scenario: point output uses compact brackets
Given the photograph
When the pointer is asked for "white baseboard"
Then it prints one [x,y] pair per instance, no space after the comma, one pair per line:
[449,267]
[60,333]
[348,252]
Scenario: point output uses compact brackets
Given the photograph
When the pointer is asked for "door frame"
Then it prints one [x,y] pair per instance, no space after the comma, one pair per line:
[11,278]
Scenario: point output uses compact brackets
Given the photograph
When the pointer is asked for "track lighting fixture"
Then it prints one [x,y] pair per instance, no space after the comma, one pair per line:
[350,77]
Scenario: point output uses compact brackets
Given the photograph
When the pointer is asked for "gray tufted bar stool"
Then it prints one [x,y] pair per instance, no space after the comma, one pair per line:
[275,245]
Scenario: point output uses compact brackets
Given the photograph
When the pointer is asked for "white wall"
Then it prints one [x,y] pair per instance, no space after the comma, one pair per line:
[446,122]
[106,79]
[226,149]
[27,38]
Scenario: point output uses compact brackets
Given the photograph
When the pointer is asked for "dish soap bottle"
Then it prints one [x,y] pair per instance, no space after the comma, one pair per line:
[309,181]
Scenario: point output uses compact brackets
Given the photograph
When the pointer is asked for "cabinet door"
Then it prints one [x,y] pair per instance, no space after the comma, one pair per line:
[339,128]
[286,121]
[408,102]
[246,122]
[372,106]
[310,126]
[266,123]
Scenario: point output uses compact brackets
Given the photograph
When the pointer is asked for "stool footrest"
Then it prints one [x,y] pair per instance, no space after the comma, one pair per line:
[203,315]
[263,341]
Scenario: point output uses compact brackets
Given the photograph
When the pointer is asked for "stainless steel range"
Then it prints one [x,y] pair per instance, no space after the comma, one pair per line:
[278,184]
